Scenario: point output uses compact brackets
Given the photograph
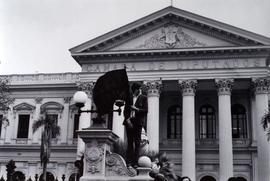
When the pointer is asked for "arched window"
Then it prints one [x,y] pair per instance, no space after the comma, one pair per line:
[18,176]
[239,121]
[73,177]
[174,118]
[208,178]
[49,177]
[241,179]
[207,122]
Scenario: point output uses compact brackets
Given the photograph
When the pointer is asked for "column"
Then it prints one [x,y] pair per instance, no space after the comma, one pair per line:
[30,132]
[37,134]
[65,121]
[261,103]
[85,118]
[118,127]
[224,87]
[3,171]
[188,88]
[253,118]
[153,92]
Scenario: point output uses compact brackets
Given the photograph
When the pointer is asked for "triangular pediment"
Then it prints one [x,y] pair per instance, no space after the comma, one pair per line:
[171,28]
[169,36]
[24,106]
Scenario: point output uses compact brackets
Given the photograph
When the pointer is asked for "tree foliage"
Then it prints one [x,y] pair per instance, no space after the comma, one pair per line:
[5,98]
[266,124]
[51,129]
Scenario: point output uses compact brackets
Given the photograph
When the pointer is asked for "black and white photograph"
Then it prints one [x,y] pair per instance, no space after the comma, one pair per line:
[125,90]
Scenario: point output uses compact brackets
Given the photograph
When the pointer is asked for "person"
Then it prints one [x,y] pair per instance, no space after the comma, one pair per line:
[135,123]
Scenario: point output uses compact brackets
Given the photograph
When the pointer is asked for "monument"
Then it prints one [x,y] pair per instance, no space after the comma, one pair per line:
[100,162]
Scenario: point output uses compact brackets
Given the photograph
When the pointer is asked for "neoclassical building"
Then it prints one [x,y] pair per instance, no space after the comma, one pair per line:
[207,85]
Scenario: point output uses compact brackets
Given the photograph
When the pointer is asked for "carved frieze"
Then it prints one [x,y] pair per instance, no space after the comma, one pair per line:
[94,155]
[261,85]
[87,87]
[224,86]
[188,87]
[170,36]
[152,87]
[115,166]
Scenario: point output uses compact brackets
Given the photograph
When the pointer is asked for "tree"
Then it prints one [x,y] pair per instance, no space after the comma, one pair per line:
[266,123]
[51,130]
[5,98]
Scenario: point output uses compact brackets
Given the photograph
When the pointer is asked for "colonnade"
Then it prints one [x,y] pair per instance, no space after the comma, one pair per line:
[188,90]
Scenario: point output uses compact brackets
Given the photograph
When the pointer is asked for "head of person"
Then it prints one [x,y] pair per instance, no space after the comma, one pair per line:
[135,88]
[185,179]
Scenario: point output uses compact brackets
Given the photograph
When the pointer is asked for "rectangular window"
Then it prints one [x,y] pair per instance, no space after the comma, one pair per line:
[23,126]
[54,117]
[76,125]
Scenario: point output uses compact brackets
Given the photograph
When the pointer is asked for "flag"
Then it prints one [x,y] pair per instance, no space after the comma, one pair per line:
[110,87]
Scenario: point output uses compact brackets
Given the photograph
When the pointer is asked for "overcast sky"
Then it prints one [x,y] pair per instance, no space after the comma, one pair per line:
[35,35]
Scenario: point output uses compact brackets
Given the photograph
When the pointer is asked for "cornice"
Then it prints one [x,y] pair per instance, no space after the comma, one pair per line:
[173,54]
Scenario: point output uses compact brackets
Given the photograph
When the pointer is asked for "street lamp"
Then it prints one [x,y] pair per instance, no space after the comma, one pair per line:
[80,98]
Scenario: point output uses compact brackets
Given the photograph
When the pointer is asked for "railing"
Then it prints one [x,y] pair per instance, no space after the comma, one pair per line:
[239,142]
[42,78]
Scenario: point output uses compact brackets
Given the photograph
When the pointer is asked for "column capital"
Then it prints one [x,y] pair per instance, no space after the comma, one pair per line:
[38,100]
[87,87]
[261,85]
[67,99]
[153,87]
[224,86]
[188,87]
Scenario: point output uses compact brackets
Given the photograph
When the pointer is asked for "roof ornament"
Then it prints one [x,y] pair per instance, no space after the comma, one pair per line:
[172,3]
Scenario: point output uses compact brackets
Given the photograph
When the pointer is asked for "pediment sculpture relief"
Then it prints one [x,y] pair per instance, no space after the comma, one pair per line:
[170,36]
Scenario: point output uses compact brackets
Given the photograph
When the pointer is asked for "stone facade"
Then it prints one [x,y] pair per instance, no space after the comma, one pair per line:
[206,82]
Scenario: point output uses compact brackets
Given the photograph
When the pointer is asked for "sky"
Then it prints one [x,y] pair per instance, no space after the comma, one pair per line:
[36,35]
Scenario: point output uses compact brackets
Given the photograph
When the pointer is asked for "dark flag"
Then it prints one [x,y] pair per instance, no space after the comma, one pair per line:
[110,87]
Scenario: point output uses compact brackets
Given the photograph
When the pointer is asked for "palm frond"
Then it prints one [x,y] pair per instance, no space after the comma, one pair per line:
[266,120]
[37,124]
[266,124]
[56,131]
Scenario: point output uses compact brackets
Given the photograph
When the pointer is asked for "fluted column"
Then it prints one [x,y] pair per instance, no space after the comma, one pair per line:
[65,121]
[188,88]
[153,92]
[261,103]
[37,133]
[224,87]
[85,118]
[118,127]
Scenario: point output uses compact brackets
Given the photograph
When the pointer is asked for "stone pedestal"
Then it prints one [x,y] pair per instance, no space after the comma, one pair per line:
[100,163]
[97,143]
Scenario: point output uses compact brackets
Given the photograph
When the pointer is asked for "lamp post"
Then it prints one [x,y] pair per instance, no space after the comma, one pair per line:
[96,130]
[80,98]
